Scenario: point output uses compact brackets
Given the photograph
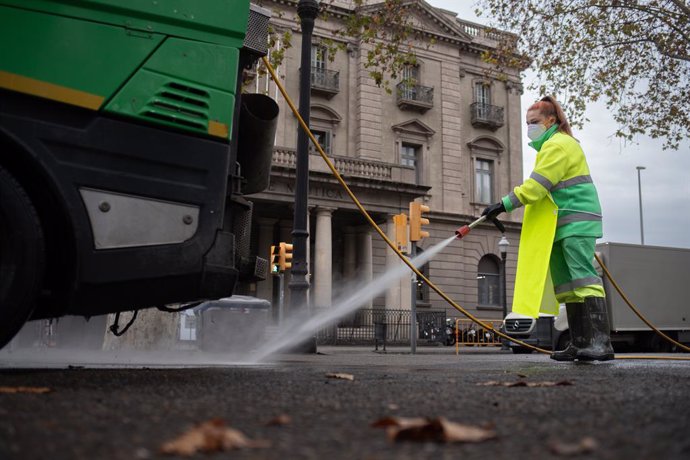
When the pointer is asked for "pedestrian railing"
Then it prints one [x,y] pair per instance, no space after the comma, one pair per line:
[467,333]
[387,326]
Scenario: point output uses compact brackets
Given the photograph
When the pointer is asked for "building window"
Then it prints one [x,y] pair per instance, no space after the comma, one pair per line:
[488,281]
[483,179]
[324,139]
[318,57]
[409,156]
[410,80]
[482,93]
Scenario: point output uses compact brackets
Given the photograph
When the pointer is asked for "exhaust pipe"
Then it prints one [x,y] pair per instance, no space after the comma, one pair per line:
[258,122]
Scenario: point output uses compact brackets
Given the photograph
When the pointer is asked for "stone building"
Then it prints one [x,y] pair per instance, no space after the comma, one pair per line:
[452,141]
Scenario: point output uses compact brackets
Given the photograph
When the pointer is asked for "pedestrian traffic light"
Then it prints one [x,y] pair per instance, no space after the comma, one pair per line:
[285,256]
[274,259]
[416,221]
[400,223]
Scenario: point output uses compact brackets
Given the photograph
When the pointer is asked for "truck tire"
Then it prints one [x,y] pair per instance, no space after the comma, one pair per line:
[22,257]
[518,350]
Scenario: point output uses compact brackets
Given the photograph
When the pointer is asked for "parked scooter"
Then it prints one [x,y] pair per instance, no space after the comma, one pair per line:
[450,332]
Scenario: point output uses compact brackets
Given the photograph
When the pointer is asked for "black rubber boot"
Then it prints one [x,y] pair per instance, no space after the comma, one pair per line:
[576,313]
[597,342]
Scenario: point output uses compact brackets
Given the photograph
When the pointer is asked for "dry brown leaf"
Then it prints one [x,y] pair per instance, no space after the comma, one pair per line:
[560,383]
[282,419]
[210,436]
[399,422]
[35,390]
[457,432]
[522,383]
[341,376]
[436,430]
[584,446]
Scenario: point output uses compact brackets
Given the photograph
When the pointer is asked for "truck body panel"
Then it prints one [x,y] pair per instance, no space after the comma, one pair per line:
[213,21]
[119,122]
[654,278]
[91,55]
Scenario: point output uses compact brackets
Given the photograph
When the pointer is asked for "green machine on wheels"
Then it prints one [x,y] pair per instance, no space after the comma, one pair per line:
[123,175]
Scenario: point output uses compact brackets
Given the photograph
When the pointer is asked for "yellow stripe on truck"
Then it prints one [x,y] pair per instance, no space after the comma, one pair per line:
[47,90]
[216,128]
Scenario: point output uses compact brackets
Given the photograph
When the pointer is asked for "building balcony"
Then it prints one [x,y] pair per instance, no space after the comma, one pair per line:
[377,171]
[414,97]
[325,82]
[486,116]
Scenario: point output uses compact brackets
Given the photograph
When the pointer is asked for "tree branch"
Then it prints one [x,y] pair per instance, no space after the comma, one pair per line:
[682,6]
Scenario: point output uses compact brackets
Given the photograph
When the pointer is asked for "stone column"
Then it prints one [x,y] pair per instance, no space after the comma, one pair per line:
[393,291]
[366,263]
[323,258]
[264,289]
[398,294]
[350,255]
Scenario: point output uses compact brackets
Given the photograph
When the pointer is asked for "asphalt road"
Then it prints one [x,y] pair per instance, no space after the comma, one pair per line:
[633,409]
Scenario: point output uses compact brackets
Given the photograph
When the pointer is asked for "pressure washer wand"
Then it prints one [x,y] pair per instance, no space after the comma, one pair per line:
[465,229]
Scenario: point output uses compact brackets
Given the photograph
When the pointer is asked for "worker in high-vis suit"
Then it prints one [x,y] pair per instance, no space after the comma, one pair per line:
[561,224]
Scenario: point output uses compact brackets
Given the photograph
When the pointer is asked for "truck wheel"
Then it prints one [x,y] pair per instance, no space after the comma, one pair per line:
[22,257]
[521,350]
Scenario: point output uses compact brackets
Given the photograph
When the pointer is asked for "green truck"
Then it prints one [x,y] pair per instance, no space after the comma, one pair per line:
[123,173]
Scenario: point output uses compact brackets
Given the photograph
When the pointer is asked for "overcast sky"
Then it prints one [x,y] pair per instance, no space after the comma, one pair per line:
[665,182]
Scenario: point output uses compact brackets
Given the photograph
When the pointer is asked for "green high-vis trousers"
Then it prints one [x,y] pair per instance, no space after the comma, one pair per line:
[572,270]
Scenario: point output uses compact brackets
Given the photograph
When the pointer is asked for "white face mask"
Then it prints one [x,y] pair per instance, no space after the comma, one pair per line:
[535,130]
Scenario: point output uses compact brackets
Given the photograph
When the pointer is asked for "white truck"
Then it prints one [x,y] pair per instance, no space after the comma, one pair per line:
[654,278]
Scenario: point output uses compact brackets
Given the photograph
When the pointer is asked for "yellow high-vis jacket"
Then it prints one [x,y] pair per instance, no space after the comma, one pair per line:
[560,201]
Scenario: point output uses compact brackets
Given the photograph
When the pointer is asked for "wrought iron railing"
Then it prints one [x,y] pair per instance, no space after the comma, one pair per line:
[486,115]
[418,94]
[362,326]
[323,79]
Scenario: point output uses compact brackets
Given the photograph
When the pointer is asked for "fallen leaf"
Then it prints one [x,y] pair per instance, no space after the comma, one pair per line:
[36,390]
[522,383]
[341,376]
[282,419]
[210,436]
[400,422]
[435,430]
[584,446]
[560,383]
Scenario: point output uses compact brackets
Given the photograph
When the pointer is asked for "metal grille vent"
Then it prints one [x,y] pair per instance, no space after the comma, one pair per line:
[518,325]
[179,104]
[256,39]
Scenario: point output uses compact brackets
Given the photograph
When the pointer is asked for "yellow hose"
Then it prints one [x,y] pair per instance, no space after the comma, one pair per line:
[385,238]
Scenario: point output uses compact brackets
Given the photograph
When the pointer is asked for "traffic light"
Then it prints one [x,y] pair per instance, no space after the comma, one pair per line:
[285,256]
[400,222]
[416,221]
[274,257]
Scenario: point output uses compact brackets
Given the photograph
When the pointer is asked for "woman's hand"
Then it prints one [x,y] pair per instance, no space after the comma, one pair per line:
[492,211]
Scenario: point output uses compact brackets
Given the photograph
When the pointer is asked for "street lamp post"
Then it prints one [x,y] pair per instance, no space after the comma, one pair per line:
[503,250]
[639,191]
[307,10]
